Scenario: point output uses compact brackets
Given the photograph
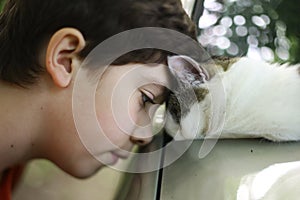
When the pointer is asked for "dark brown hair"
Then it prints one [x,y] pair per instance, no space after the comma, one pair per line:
[26,24]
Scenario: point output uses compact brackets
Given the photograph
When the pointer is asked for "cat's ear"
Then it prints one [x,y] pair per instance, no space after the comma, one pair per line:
[187,70]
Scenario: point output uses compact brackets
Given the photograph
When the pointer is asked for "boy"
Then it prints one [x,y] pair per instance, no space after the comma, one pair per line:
[42,46]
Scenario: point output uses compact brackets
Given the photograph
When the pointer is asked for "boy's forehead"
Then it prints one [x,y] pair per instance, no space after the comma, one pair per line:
[159,74]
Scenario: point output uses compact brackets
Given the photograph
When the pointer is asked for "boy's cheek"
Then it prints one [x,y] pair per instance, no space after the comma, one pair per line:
[117,134]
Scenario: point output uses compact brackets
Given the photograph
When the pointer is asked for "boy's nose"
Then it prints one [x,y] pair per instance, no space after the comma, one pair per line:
[141,141]
[142,135]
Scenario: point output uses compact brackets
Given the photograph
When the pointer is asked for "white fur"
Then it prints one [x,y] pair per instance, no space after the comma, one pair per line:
[189,128]
[262,100]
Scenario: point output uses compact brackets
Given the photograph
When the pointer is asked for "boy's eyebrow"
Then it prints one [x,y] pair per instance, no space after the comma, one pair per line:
[161,93]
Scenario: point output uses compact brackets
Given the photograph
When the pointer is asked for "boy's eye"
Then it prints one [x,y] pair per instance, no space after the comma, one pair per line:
[146,99]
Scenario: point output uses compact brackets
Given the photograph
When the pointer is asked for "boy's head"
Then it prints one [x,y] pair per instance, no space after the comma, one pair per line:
[28,25]
[44,42]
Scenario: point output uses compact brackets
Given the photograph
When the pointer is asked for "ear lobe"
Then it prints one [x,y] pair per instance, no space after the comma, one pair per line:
[187,70]
[62,52]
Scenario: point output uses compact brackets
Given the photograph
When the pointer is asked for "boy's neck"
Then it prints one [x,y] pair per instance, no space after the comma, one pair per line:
[19,117]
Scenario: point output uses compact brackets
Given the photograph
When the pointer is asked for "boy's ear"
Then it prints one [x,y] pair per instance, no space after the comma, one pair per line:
[62,52]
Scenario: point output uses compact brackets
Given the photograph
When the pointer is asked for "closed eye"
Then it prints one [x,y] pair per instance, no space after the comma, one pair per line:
[146,99]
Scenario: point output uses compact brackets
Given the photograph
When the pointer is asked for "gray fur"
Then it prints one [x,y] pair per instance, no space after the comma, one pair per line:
[180,102]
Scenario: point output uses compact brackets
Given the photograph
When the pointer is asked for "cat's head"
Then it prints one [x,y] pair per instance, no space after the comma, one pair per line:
[188,105]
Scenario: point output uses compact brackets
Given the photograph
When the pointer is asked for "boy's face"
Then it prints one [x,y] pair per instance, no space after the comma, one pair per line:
[126,99]
[99,123]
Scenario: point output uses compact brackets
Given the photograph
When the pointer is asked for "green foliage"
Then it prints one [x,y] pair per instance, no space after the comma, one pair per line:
[289,12]
[1,4]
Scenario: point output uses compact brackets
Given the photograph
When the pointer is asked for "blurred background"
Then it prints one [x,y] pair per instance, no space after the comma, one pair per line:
[261,29]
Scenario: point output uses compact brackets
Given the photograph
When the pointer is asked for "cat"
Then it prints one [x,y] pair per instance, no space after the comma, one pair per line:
[260,99]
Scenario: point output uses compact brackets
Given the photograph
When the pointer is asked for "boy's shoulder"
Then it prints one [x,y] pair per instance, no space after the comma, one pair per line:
[8,180]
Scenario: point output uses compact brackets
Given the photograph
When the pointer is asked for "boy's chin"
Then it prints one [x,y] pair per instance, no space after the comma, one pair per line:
[83,172]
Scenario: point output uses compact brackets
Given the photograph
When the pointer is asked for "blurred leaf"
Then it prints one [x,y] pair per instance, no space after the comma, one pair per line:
[1,4]
[289,12]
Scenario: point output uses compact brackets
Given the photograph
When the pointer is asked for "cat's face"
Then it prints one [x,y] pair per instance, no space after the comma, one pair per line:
[188,104]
